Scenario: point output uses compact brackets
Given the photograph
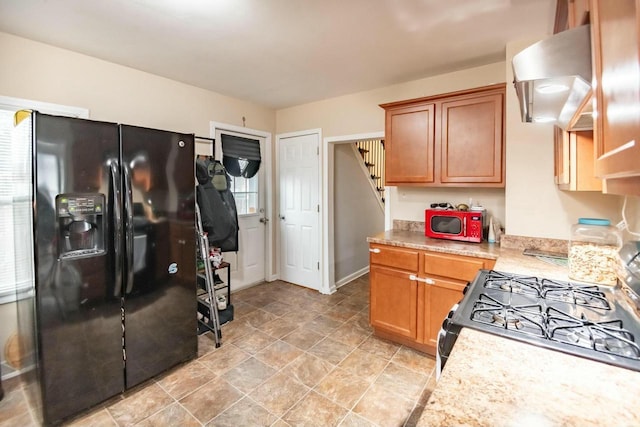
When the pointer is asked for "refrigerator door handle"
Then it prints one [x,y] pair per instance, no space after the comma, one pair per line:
[117,226]
[128,232]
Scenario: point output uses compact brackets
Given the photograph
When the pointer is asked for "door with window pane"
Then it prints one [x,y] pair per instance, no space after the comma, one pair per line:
[248,264]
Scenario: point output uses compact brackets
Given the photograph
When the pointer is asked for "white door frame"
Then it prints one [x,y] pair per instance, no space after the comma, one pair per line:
[328,254]
[324,289]
[268,241]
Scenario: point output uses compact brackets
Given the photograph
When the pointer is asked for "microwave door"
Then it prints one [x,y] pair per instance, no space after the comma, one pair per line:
[447,225]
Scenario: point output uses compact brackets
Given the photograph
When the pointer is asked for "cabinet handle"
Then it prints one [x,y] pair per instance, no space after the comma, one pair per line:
[375,250]
[423,280]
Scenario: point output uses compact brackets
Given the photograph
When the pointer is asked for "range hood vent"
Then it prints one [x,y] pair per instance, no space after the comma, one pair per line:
[552,79]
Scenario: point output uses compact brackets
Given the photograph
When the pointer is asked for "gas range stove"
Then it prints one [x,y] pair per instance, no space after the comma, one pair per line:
[585,320]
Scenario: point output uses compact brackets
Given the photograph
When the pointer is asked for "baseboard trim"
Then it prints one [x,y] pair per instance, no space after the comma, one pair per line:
[352,276]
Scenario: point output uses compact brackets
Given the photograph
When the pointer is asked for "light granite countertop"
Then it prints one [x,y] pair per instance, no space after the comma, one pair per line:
[494,381]
[416,240]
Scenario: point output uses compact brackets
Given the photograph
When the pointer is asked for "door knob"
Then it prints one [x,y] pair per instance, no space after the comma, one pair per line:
[281,217]
[264,220]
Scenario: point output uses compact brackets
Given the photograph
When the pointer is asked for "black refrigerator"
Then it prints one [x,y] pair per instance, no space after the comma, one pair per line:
[113,302]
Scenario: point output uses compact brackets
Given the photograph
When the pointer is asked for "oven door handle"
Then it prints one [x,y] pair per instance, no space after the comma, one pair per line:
[422,279]
[464,226]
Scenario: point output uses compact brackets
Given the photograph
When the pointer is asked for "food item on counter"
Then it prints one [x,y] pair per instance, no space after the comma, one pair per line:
[593,263]
[593,251]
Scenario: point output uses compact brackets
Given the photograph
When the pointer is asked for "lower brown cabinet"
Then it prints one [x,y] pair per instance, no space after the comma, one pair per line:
[412,291]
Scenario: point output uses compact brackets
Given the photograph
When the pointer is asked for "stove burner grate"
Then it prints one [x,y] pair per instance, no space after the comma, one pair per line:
[606,336]
[527,319]
[512,283]
[584,295]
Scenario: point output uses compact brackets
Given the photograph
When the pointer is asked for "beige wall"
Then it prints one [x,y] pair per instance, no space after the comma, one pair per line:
[115,93]
[534,206]
[359,112]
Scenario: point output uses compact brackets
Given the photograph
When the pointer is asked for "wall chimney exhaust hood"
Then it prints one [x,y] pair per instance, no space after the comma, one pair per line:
[553,80]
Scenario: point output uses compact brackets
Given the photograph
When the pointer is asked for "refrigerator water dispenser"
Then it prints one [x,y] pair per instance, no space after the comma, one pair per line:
[81,224]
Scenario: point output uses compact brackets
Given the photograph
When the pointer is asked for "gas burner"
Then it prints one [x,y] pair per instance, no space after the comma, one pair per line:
[527,319]
[584,295]
[500,320]
[606,336]
[512,283]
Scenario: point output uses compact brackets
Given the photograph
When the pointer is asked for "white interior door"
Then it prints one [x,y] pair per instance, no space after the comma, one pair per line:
[299,212]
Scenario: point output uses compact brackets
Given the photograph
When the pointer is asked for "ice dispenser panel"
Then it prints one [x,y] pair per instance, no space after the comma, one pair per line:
[81,224]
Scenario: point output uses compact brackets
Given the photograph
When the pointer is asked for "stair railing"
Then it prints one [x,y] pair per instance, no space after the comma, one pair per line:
[372,153]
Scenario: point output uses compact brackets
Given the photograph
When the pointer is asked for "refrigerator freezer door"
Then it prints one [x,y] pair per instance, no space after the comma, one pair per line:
[78,317]
[160,278]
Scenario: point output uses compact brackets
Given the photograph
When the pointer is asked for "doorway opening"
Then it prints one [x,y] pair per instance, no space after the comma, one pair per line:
[351,211]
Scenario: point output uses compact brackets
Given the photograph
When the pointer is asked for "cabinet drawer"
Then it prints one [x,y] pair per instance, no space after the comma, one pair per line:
[405,259]
[455,267]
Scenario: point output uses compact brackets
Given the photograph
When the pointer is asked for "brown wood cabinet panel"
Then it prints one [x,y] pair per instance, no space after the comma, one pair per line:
[615,43]
[441,297]
[453,266]
[409,149]
[393,301]
[411,292]
[561,156]
[571,14]
[471,139]
[574,161]
[405,259]
[454,139]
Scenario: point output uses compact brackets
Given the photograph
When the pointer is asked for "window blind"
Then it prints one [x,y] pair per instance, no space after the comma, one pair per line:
[16,248]
[240,156]
[15,212]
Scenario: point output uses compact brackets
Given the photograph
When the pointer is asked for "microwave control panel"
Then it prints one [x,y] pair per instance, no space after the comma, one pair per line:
[475,226]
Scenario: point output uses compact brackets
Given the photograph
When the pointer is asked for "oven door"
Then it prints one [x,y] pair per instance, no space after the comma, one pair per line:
[446,339]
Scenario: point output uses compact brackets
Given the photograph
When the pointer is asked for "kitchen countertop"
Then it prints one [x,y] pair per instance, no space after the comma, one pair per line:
[416,240]
[494,381]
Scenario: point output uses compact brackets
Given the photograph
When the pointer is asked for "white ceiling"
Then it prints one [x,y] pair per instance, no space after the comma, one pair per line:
[281,53]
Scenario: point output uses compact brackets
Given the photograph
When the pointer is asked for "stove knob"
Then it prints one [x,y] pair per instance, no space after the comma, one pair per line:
[466,288]
[445,324]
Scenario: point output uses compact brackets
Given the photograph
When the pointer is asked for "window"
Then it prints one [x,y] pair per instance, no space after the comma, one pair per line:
[242,159]
[15,194]
[245,192]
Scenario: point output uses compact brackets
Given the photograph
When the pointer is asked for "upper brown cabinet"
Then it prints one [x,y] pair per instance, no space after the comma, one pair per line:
[574,162]
[454,139]
[571,14]
[615,44]
[409,146]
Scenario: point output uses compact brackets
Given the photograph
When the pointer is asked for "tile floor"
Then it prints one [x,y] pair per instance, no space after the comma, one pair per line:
[291,357]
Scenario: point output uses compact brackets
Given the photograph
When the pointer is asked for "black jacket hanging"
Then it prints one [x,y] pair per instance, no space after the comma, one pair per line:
[217,209]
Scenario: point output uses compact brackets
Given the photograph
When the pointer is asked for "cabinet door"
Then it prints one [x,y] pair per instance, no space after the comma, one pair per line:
[409,145]
[616,65]
[472,140]
[571,14]
[391,256]
[574,161]
[393,301]
[561,156]
[453,266]
[440,297]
